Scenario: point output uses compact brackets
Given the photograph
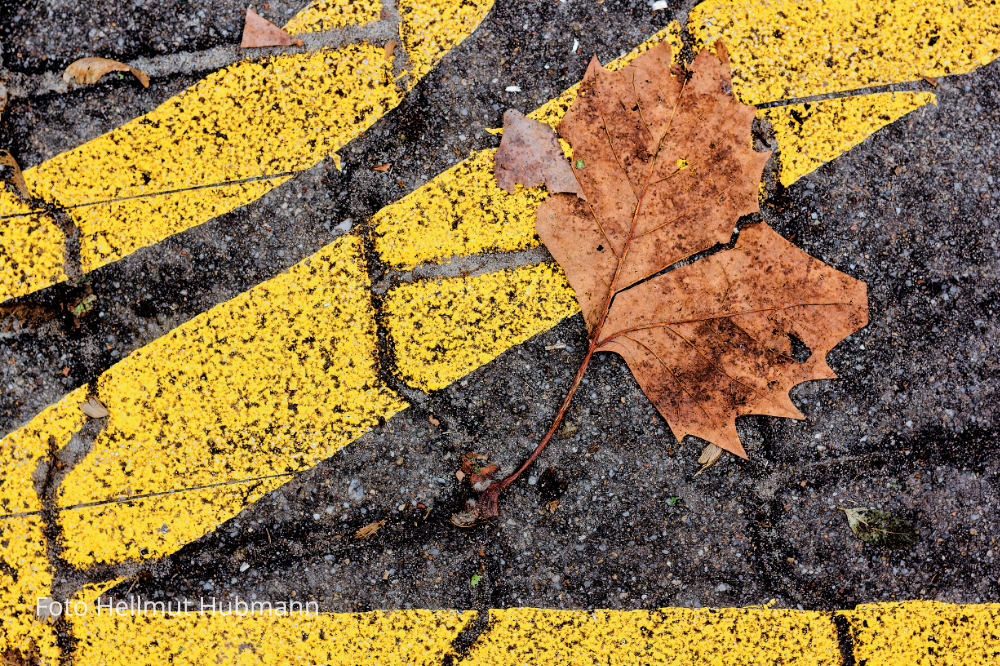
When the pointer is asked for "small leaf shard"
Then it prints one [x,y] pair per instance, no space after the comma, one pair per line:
[258,32]
[880,528]
[90,70]
[530,155]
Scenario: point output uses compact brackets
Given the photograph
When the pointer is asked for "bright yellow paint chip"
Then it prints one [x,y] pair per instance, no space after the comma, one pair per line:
[267,383]
[430,28]
[925,633]
[811,134]
[445,329]
[411,637]
[786,49]
[668,636]
[332,14]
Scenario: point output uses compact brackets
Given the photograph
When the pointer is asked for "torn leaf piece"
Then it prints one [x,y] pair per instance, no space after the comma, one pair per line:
[530,155]
[880,528]
[258,32]
[90,70]
[94,408]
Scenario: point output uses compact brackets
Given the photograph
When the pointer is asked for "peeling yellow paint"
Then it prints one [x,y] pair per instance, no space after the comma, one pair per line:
[412,637]
[442,330]
[430,28]
[678,636]
[784,49]
[811,134]
[267,383]
[925,633]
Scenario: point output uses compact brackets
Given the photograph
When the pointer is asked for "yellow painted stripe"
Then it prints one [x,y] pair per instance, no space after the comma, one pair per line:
[444,329]
[811,134]
[411,637]
[25,575]
[678,636]
[251,120]
[31,249]
[268,383]
[925,633]
[784,49]
[331,14]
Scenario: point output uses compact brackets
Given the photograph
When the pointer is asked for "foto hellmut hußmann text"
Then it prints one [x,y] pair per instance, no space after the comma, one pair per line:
[48,608]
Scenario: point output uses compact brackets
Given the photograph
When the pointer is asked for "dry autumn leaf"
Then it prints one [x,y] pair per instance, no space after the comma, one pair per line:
[17,176]
[664,158]
[90,70]
[530,155]
[258,32]
[94,408]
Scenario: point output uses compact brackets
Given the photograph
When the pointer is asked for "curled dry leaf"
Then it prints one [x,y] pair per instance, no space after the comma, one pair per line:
[258,32]
[880,528]
[530,155]
[369,529]
[709,456]
[382,167]
[94,408]
[89,70]
[8,160]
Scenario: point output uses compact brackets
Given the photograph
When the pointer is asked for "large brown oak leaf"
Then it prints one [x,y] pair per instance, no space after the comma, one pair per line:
[666,165]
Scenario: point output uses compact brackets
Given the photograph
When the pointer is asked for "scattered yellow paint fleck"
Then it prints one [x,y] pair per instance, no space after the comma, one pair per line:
[445,329]
[153,526]
[784,49]
[430,28]
[332,14]
[811,134]
[268,383]
[412,637]
[31,249]
[925,633]
[666,636]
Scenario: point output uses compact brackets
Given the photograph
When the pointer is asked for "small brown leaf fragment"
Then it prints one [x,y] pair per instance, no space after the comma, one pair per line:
[382,167]
[8,160]
[709,456]
[90,70]
[258,32]
[390,48]
[930,79]
[94,408]
[434,422]
[369,529]
[552,506]
[530,155]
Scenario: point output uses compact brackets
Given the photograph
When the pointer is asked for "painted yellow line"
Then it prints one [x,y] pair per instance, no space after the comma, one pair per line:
[132,187]
[25,572]
[444,329]
[910,633]
[266,384]
[810,135]
[784,49]
[925,633]
[665,636]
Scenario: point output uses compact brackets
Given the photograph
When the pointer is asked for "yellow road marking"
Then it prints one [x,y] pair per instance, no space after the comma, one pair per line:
[447,328]
[410,637]
[925,633]
[25,572]
[811,134]
[665,636]
[268,383]
[784,49]
[263,119]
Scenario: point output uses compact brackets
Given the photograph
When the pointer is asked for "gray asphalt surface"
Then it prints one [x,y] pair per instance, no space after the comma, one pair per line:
[909,426]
